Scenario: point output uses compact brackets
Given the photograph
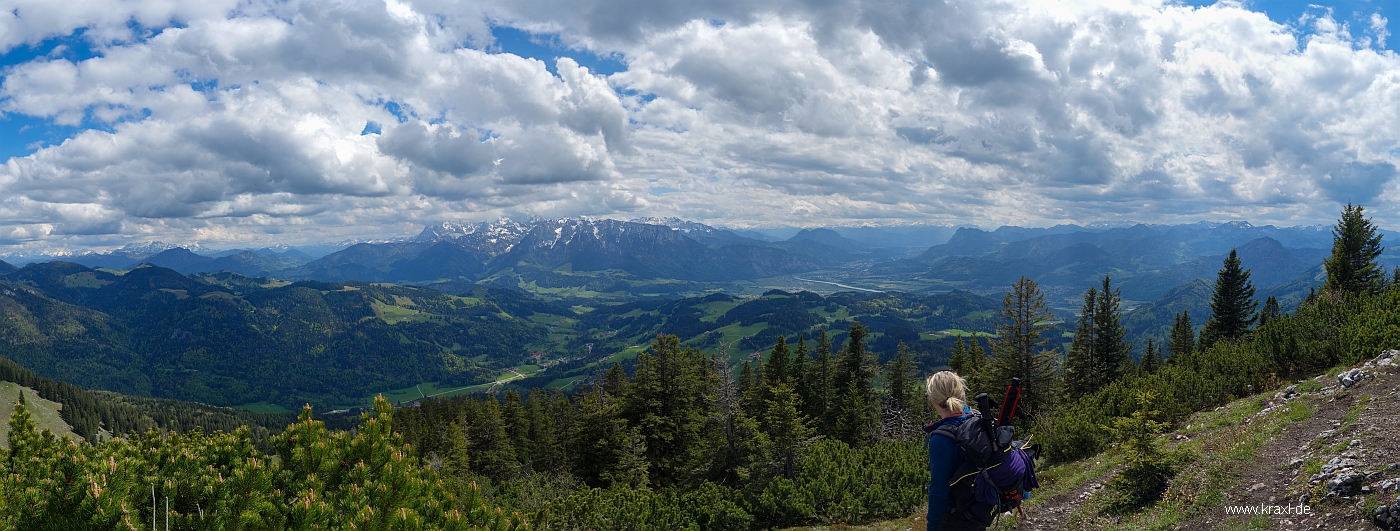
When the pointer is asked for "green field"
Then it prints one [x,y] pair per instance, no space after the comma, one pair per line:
[395,314]
[45,412]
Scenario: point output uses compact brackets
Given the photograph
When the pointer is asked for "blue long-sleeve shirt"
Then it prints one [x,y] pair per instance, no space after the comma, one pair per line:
[943,459]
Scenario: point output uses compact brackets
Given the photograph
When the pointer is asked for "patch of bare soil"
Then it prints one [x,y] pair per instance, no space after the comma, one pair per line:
[1334,464]
[1051,513]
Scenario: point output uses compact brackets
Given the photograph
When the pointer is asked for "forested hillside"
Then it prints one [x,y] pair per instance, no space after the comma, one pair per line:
[229,340]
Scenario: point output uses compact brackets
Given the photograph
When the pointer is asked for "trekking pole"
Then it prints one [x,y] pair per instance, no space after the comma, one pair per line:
[1009,402]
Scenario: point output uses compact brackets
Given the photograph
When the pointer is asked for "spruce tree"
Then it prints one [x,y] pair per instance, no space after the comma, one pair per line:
[544,448]
[489,444]
[787,429]
[902,412]
[1183,338]
[517,425]
[750,391]
[1151,359]
[776,371]
[823,404]
[958,359]
[1018,350]
[667,406]
[898,379]
[855,421]
[976,368]
[1112,350]
[1232,306]
[1352,267]
[799,372]
[1270,311]
[1082,361]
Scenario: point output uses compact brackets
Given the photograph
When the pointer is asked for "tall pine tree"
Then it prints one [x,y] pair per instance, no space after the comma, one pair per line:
[667,405]
[1082,361]
[822,405]
[1270,311]
[1115,353]
[1018,350]
[1183,338]
[1232,306]
[1352,267]
[776,371]
[854,380]
[1151,359]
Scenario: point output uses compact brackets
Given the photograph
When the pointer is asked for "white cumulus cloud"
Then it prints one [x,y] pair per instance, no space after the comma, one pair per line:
[312,119]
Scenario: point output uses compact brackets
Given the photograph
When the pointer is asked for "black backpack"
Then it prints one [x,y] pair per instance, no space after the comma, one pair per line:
[997,472]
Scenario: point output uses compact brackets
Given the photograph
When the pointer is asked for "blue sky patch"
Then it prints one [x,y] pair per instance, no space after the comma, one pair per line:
[548,47]
[1355,13]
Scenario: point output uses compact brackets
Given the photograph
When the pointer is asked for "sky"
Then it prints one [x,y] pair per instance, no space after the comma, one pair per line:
[236,123]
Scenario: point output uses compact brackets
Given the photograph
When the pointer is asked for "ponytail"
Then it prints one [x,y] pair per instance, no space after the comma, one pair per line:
[946,388]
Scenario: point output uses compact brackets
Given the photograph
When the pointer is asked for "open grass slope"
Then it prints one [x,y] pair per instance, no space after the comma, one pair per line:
[45,412]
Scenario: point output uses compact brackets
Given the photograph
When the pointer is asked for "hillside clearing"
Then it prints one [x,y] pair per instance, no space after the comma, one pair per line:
[45,412]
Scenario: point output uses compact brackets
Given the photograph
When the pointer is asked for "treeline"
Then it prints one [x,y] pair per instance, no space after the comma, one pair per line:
[90,413]
[806,436]
[314,479]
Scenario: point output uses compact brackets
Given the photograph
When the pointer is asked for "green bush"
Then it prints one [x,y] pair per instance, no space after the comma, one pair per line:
[1148,470]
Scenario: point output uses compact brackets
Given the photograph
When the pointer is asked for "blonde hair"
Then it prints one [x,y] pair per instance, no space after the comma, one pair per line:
[946,388]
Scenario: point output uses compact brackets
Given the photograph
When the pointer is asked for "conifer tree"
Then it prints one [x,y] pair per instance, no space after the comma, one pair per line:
[596,439]
[776,370]
[855,419]
[1151,359]
[903,416]
[975,368]
[1018,350]
[958,359]
[1114,352]
[1183,338]
[750,391]
[542,438]
[489,443]
[738,439]
[801,374]
[787,429]
[1352,267]
[667,407]
[823,404]
[1270,311]
[1082,362]
[899,376]
[1232,306]
[517,425]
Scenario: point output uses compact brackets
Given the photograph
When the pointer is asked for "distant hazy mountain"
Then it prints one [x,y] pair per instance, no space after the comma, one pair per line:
[829,237]
[1146,260]
[649,248]
[920,237]
[250,263]
[5,267]
[1267,259]
[179,259]
[646,251]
